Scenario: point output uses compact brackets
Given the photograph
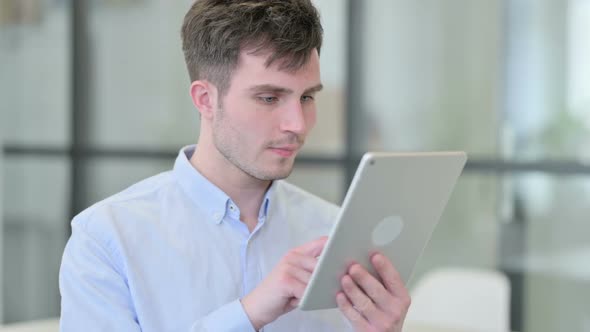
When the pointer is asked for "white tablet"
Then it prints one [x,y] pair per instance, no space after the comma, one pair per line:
[392,206]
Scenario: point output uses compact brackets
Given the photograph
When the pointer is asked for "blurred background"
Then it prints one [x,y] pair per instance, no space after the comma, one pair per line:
[94,97]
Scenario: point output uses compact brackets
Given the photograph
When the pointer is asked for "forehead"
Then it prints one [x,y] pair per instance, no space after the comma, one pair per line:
[252,68]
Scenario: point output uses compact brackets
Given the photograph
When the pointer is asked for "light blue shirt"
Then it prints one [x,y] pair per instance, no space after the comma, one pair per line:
[170,254]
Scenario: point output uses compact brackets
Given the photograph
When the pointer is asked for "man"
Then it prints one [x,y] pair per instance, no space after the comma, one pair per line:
[220,243]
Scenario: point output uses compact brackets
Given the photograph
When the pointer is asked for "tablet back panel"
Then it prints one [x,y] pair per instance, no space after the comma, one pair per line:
[392,206]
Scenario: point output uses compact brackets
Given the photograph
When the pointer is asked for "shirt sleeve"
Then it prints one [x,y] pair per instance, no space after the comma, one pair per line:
[229,318]
[95,295]
[94,292]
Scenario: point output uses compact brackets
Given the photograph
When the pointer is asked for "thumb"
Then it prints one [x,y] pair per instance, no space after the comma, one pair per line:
[313,248]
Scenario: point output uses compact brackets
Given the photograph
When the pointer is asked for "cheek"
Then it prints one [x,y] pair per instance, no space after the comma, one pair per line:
[255,128]
[240,118]
[310,119]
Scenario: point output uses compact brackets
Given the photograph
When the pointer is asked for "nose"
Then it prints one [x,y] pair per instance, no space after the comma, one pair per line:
[294,119]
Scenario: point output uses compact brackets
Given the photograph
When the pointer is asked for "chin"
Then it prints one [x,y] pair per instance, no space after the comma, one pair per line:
[276,175]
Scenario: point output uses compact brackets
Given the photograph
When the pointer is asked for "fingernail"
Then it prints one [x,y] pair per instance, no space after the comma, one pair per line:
[378,259]
[345,278]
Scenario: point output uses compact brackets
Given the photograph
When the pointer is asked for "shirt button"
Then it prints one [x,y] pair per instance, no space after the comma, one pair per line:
[217,215]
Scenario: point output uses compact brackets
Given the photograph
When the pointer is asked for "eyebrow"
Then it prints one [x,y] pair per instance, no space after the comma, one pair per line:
[280,90]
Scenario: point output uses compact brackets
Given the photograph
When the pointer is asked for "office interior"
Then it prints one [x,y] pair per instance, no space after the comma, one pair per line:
[94,97]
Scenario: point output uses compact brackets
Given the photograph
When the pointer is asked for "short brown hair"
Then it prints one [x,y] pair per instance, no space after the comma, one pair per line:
[215,31]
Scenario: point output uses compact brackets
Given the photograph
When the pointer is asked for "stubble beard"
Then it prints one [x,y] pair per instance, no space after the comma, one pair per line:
[227,142]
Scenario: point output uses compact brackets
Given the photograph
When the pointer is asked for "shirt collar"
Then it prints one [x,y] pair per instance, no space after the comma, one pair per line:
[268,197]
[205,194]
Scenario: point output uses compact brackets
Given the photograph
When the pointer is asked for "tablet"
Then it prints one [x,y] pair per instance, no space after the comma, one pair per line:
[392,206]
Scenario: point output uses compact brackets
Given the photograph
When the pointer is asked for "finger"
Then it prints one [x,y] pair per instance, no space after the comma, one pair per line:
[295,287]
[357,320]
[313,248]
[360,301]
[391,279]
[294,302]
[298,289]
[298,273]
[372,287]
[301,261]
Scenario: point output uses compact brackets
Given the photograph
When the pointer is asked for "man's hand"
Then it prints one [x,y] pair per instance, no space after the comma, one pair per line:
[281,290]
[372,305]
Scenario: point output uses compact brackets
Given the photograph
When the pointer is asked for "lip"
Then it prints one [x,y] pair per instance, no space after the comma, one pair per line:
[285,151]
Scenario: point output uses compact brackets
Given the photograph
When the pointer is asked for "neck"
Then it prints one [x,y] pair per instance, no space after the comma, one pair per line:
[245,191]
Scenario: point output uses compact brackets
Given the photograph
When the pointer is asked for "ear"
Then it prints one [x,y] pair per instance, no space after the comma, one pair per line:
[204,96]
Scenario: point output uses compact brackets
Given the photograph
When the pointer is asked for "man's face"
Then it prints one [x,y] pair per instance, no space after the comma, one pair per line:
[265,115]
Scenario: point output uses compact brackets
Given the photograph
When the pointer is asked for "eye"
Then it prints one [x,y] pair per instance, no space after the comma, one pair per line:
[268,99]
[306,98]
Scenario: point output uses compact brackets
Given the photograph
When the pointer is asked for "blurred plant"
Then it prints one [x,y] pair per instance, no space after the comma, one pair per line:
[566,133]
